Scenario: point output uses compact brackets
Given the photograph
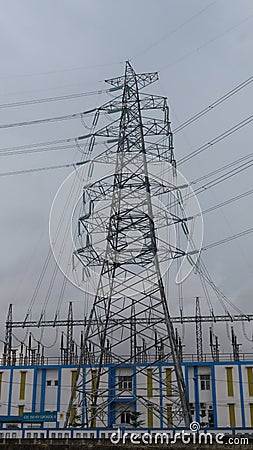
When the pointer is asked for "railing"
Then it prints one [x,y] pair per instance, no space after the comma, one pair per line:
[94,359]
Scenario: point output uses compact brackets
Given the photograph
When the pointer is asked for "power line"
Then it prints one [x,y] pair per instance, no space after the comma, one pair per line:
[35,150]
[11,150]
[192,119]
[217,139]
[38,144]
[220,169]
[189,121]
[213,105]
[225,177]
[226,202]
[228,239]
[167,35]
[210,41]
[45,120]
[70,69]
[220,179]
[57,98]
[41,169]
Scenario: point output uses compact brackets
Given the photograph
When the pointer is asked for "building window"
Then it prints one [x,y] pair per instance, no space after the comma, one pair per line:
[21,410]
[192,410]
[22,385]
[56,382]
[202,413]
[205,382]
[125,383]
[210,417]
[125,417]
[49,382]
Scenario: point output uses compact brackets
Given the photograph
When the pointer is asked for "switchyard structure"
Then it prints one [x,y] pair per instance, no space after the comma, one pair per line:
[128,367]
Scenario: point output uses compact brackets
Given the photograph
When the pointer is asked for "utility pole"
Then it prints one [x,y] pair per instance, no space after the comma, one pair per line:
[8,336]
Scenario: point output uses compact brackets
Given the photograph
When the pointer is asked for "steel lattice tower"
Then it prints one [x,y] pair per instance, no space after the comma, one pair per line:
[129,322]
[198,325]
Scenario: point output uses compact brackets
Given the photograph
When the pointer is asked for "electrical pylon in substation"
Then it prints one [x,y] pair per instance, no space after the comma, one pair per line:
[198,324]
[129,322]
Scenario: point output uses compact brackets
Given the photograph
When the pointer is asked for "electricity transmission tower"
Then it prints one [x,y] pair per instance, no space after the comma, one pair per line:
[129,323]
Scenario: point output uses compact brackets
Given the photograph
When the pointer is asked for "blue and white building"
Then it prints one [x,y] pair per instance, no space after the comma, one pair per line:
[220,394]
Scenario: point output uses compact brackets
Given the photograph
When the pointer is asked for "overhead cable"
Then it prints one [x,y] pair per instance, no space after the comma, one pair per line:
[217,139]
[213,105]
[57,98]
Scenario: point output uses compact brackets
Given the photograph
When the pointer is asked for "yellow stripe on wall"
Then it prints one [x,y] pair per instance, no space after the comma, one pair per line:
[94,381]
[169,416]
[149,383]
[230,387]
[93,417]
[73,379]
[168,382]
[250,380]
[251,414]
[231,409]
[150,417]
[22,385]
[72,416]
[1,378]
[21,410]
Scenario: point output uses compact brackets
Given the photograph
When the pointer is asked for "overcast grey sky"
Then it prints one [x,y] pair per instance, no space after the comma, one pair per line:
[201,48]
